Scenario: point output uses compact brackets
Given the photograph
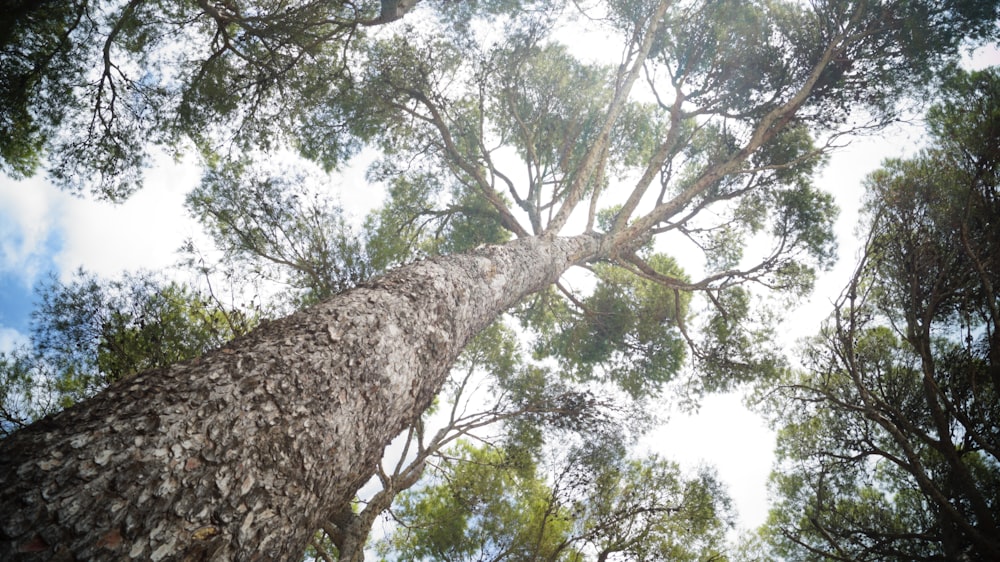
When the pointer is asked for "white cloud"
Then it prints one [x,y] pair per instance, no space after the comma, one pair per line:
[37,219]
[143,232]
[26,221]
[352,190]
[11,339]
[985,56]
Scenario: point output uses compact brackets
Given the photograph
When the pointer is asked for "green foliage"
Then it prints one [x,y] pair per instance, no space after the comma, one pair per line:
[934,237]
[469,223]
[805,218]
[626,331]
[279,225]
[485,508]
[93,87]
[778,228]
[737,344]
[744,58]
[424,216]
[26,391]
[550,106]
[89,333]
[966,121]
[401,225]
[118,328]
[536,405]
[34,40]
[645,509]
[848,485]
[600,505]
[724,51]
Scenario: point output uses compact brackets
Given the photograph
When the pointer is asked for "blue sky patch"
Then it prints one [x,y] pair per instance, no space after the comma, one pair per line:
[16,302]
[21,272]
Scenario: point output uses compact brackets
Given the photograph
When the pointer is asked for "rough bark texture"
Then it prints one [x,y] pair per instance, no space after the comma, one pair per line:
[240,455]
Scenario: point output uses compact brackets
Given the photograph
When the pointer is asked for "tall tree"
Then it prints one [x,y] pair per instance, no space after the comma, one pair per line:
[243,452]
[292,233]
[890,450]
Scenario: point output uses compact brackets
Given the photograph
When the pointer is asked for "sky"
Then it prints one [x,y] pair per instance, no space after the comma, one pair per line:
[44,232]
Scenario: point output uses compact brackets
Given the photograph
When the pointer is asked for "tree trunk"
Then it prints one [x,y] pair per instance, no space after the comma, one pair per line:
[240,454]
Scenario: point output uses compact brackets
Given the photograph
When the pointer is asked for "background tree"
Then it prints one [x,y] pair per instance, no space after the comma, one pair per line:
[280,226]
[599,506]
[89,333]
[889,451]
[249,448]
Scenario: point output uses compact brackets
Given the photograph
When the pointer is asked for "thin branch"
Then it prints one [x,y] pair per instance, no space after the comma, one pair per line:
[615,108]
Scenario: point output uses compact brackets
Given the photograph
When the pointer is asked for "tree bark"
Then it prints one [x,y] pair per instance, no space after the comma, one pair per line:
[241,454]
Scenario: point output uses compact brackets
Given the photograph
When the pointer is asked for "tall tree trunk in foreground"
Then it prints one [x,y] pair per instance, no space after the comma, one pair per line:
[241,454]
